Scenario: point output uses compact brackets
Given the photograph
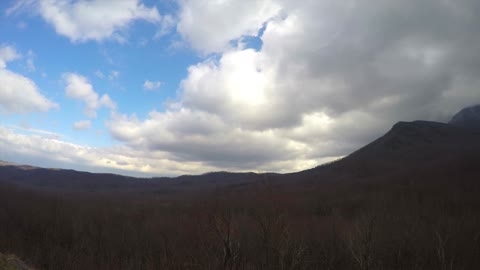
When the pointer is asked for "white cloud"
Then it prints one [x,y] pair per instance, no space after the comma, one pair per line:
[97,20]
[113,75]
[30,64]
[151,85]
[329,56]
[22,25]
[99,74]
[19,6]
[27,129]
[330,76]
[7,54]
[209,26]
[240,87]
[40,150]
[78,87]
[192,136]
[19,94]
[166,26]
[82,125]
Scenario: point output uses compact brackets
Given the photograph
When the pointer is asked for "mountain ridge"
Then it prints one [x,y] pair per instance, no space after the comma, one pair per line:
[407,145]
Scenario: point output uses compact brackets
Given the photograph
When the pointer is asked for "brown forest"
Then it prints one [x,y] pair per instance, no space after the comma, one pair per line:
[375,209]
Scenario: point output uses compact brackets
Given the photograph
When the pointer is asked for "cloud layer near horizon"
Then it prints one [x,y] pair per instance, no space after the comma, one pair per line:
[329,77]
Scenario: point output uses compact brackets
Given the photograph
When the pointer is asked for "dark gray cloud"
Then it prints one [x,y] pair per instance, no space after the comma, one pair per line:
[330,77]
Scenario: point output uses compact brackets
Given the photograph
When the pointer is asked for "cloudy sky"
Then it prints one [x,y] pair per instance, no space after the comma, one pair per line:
[170,87]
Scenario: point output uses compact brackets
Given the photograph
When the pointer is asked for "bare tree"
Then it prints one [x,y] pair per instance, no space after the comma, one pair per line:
[222,223]
[360,241]
[444,261]
[281,249]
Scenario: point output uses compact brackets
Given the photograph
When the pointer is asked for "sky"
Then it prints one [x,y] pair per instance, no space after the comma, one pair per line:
[172,87]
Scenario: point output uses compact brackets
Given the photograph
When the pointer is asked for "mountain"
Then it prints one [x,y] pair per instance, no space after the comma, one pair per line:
[413,144]
[60,180]
[408,200]
[468,118]
[407,147]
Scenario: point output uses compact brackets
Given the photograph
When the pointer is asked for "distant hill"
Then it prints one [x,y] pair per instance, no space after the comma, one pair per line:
[60,180]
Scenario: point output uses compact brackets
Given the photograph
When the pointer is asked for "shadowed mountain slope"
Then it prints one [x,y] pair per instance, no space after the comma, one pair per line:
[410,145]
[407,146]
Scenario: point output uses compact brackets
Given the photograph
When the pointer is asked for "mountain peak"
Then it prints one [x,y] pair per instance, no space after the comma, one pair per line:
[418,129]
[399,126]
[467,118]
